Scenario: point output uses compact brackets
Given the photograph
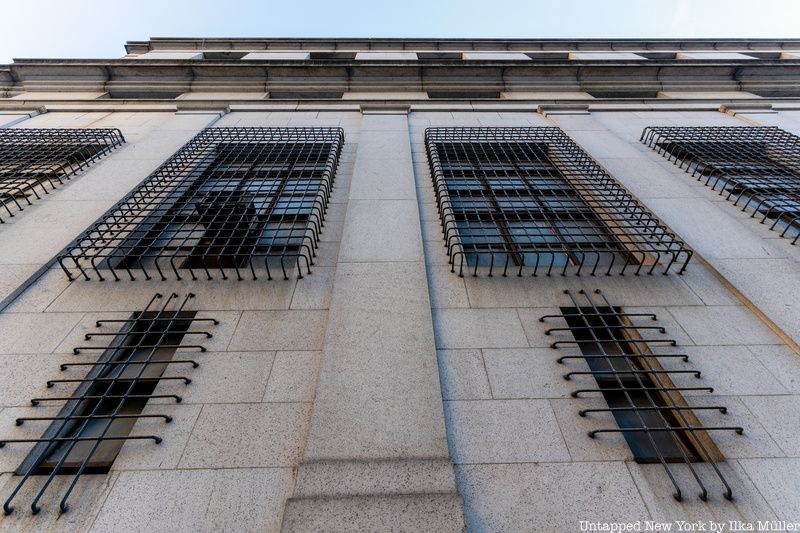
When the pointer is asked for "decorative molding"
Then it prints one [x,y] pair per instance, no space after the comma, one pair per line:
[746,108]
[563,109]
[384,109]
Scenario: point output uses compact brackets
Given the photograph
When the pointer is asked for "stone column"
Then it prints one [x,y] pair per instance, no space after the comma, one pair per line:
[377,457]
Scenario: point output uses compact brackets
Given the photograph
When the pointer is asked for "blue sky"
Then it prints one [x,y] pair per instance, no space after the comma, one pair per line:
[92,28]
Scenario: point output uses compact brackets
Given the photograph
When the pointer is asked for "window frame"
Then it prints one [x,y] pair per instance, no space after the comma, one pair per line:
[131,366]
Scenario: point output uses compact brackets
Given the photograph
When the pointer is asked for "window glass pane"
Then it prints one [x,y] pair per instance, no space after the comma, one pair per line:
[517,204]
[470,204]
[500,184]
[523,174]
[477,235]
[175,236]
[455,185]
[293,206]
[533,233]
[563,203]
[580,231]
[281,235]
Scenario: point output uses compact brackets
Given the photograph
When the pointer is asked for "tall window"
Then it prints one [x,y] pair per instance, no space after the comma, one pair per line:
[757,168]
[517,198]
[33,162]
[647,405]
[97,419]
[230,202]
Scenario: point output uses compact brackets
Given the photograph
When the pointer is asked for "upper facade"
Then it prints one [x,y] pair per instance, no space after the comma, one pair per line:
[415,69]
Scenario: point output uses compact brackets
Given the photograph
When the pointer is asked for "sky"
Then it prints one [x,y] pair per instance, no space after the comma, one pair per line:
[99,29]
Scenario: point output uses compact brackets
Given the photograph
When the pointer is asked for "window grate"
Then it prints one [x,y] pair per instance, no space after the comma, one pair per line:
[657,423]
[755,167]
[232,200]
[534,198]
[96,420]
[34,162]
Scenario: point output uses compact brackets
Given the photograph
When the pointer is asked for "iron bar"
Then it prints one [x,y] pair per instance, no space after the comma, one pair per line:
[232,202]
[33,162]
[530,198]
[116,388]
[755,167]
[632,380]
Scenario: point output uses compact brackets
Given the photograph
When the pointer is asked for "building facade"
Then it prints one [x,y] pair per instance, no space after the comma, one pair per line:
[401,285]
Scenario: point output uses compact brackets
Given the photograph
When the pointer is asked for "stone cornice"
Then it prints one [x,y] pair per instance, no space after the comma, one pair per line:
[634,78]
[344,44]
[737,106]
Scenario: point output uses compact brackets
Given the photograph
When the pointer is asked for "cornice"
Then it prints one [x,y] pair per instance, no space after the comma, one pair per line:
[253,43]
[618,78]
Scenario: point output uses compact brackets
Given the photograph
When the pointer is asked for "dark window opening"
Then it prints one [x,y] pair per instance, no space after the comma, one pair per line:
[248,201]
[99,417]
[623,357]
[624,384]
[464,95]
[332,56]
[233,199]
[439,56]
[18,177]
[658,55]
[118,394]
[34,162]
[512,198]
[756,168]
[786,91]
[223,56]
[306,95]
[144,94]
[620,94]
[763,55]
[548,56]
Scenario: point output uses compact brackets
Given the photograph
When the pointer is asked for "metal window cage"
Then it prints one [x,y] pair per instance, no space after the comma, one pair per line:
[33,162]
[132,357]
[625,357]
[755,167]
[530,199]
[232,201]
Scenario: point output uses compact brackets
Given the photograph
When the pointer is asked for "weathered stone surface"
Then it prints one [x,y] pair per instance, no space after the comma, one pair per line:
[347,478]
[279,330]
[400,513]
[196,500]
[547,497]
[504,431]
[478,328]
[265,435]
[463,375]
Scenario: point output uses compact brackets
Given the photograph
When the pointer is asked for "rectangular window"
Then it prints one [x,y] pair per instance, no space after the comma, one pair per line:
[88,433]
[757,168]
[232,201]
[116,394]
[648,407]
[33,162]
[512,198]
[627,384]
